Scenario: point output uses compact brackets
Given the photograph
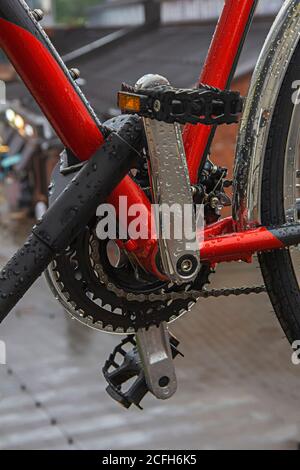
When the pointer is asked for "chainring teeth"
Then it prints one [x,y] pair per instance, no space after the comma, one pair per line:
[124,312]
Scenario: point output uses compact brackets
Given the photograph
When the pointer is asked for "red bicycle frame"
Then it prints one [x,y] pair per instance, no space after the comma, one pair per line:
[51,84]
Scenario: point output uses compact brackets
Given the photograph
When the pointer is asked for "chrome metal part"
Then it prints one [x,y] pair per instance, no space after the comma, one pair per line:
[38,14]
[115,255]
[291,189]
[75,73]
[155,352]
[171,190]
[255,125]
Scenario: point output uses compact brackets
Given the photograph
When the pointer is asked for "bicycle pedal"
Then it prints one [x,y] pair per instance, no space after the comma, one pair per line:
[123,365]
[202,105]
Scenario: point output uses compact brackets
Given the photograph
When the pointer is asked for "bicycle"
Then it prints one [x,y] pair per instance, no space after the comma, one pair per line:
[137,286]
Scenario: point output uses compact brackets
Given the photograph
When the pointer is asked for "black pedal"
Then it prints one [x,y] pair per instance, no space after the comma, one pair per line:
[203,105]
[118,372]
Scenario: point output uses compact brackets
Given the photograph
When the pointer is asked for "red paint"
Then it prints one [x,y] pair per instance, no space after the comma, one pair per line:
[135,195]
[216,72]
[51,89]
[221,227]
[238,246]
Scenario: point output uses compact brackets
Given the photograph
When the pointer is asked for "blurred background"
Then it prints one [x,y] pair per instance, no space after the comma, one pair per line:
[237,385]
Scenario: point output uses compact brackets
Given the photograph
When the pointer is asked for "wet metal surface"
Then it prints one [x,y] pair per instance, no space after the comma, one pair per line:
[237,387]
[176,52]
[257,116]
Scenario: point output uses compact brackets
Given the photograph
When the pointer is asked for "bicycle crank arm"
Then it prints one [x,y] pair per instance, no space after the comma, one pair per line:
[155,352]
[171,190]
[70,212]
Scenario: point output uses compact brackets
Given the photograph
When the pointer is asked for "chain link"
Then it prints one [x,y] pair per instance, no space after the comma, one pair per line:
[192,295]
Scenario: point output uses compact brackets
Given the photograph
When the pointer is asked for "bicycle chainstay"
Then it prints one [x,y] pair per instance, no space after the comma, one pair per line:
[202,105]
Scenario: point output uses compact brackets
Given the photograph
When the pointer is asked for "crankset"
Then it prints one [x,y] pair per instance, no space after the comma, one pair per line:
[98,284]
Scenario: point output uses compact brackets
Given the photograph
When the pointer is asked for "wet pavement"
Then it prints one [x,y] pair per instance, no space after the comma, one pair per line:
[237,386]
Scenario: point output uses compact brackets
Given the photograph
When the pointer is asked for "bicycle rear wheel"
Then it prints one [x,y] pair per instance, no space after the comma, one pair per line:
[281,202]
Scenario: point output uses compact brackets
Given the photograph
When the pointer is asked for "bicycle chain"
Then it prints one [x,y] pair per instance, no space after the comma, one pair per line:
[167,296]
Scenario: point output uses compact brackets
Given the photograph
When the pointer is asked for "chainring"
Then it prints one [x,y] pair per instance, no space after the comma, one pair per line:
[111,299]
[79,281]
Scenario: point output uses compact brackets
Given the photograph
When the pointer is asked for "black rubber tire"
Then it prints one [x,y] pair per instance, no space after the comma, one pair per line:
[277,268]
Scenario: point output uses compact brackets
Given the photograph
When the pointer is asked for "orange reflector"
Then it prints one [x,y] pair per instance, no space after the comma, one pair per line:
[128,102]
[4,149]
